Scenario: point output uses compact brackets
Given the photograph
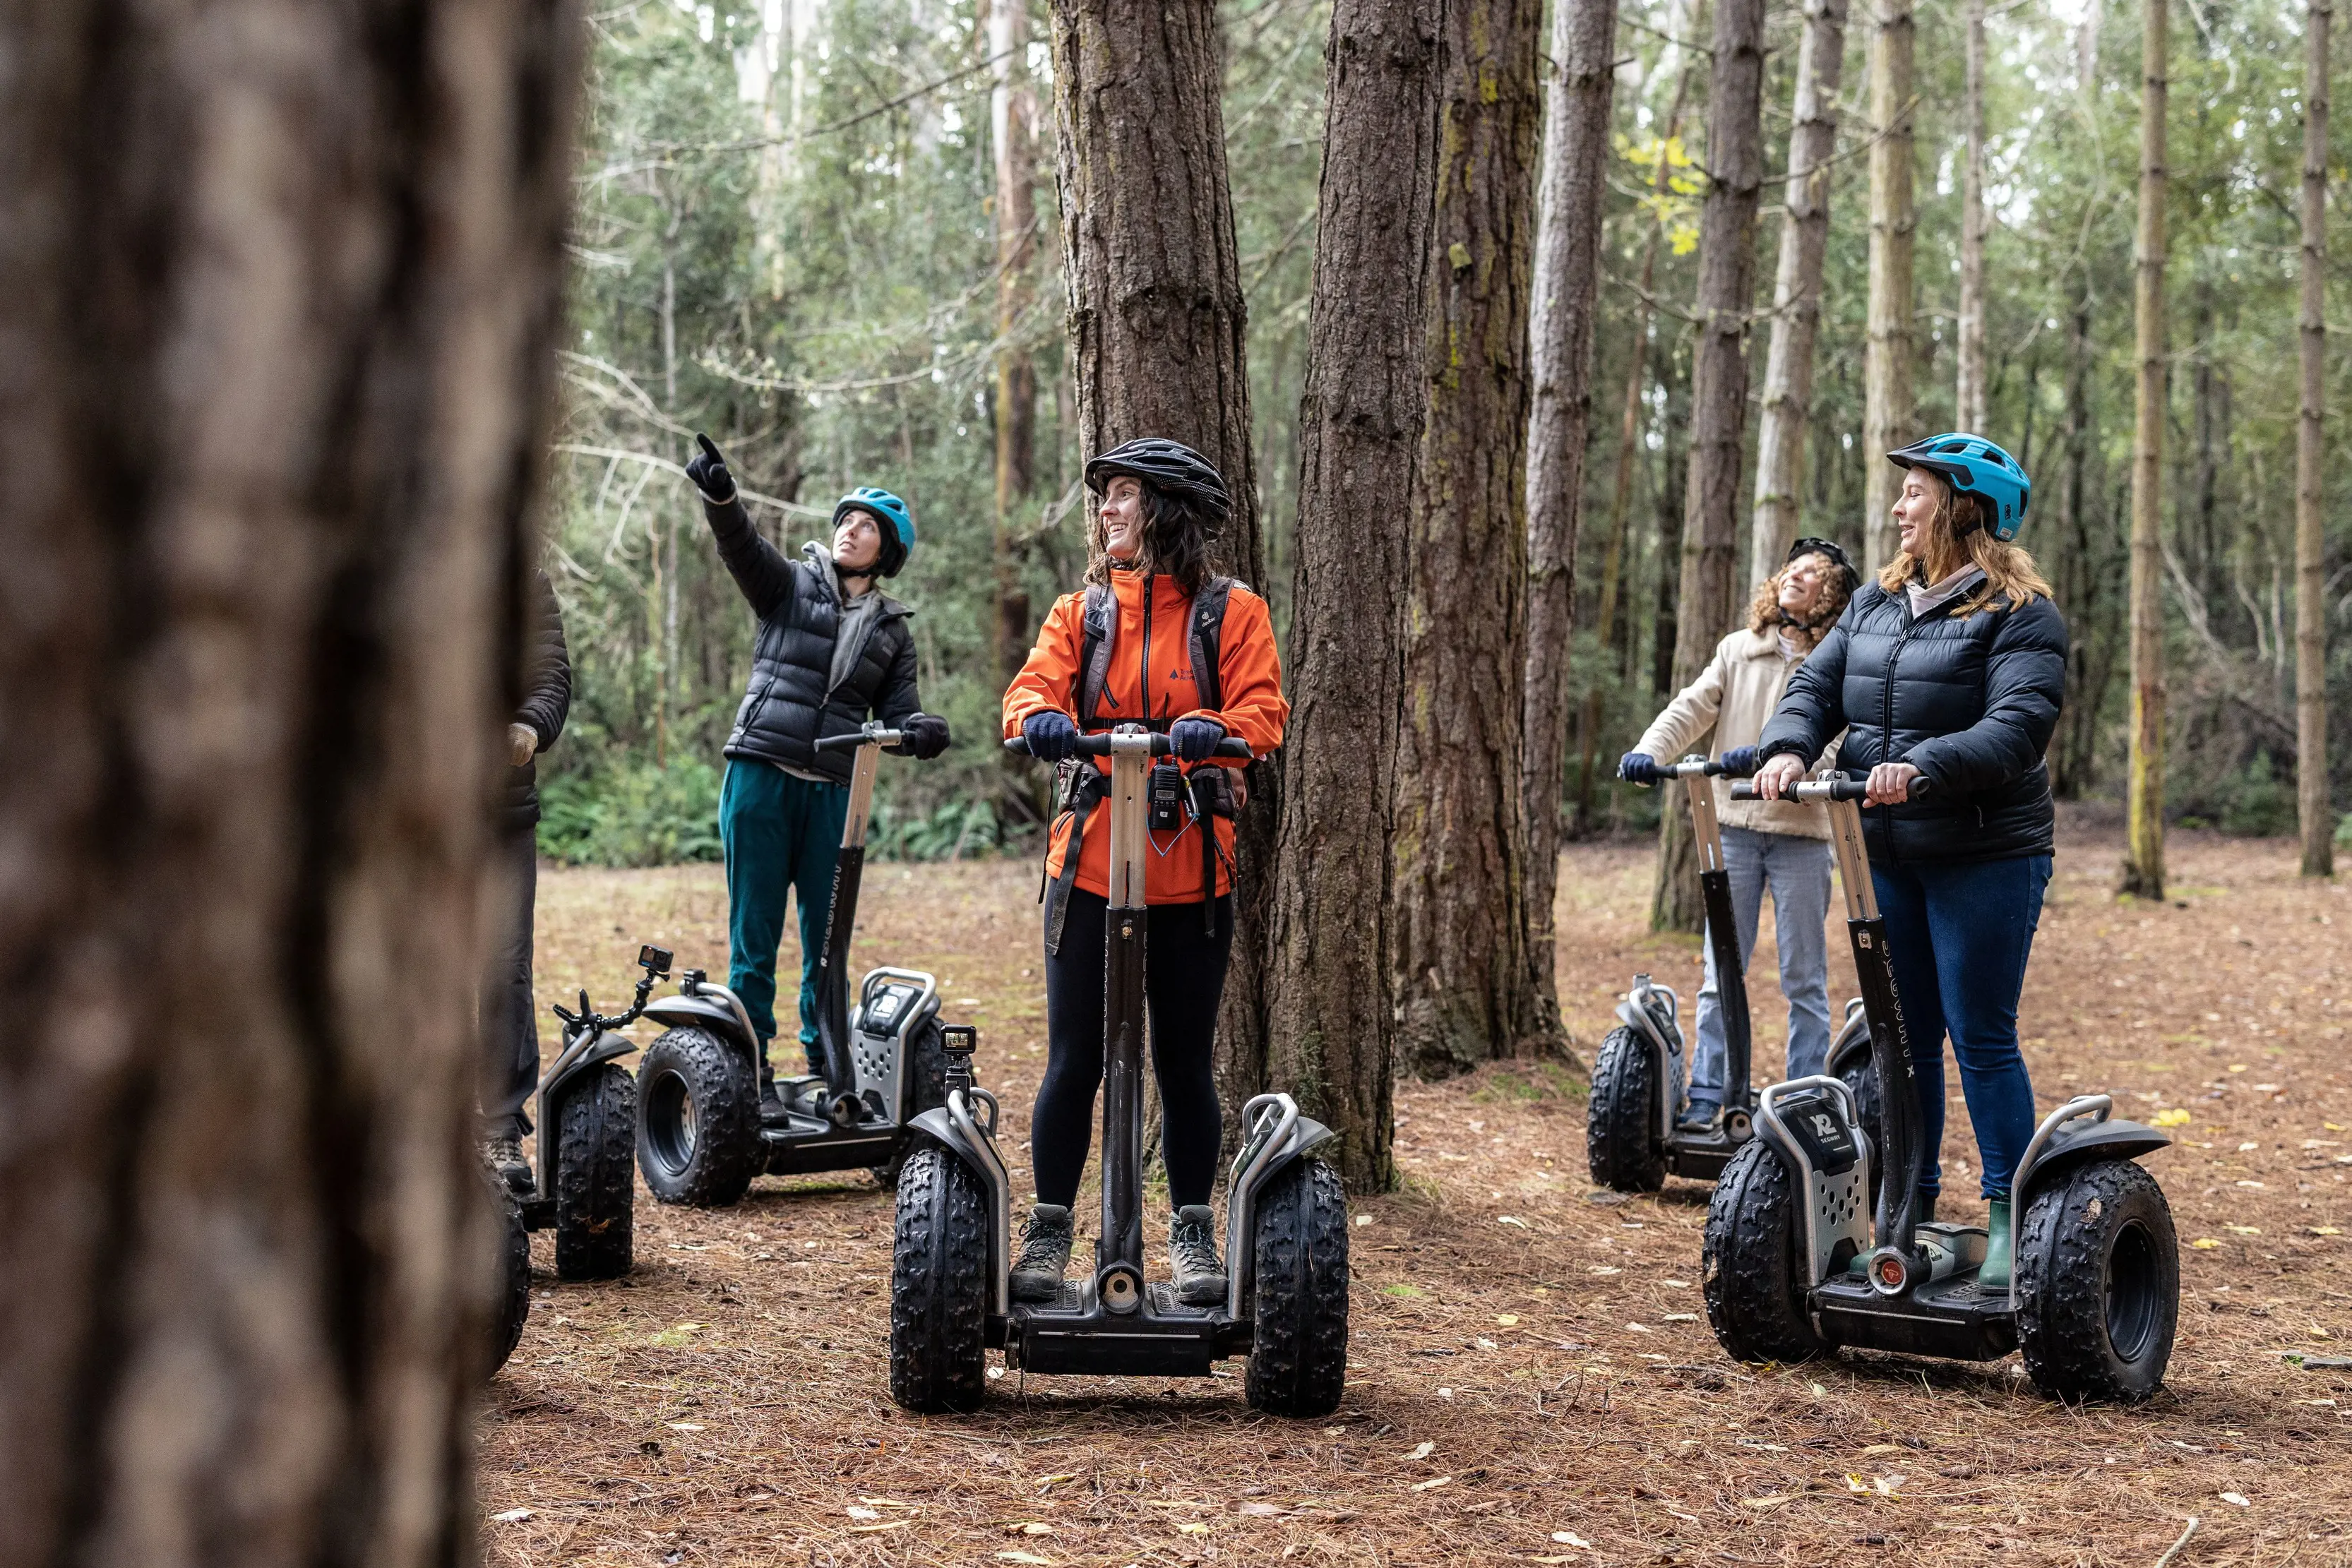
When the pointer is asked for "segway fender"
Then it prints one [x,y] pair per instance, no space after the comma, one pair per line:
[607,1046]
[2077,1142]
[719,1013]
[1278,1136]
[953,1128]
[1852,1042]
[1666,1061]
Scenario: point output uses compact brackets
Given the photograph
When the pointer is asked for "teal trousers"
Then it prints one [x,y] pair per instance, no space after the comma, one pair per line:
[782,834]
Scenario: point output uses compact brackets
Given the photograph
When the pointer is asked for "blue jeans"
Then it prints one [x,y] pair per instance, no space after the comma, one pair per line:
[1959,935]
[1797,871]
[782,834]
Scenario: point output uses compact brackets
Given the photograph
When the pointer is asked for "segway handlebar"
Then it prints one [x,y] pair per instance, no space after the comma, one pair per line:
[1695,768]
[1830,790]
[872,734]
[1100,746]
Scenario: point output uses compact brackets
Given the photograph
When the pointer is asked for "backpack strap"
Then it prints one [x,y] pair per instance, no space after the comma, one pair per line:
[1095,644]
[1204,638]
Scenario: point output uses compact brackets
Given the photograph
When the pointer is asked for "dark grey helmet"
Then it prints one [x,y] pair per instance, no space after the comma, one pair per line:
[1172,466]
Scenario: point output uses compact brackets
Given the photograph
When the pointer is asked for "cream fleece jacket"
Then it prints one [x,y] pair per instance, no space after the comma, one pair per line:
[1735,695]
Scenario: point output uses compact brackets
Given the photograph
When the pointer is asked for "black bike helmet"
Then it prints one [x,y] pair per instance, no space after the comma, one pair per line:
[1172,466]
[1837,558]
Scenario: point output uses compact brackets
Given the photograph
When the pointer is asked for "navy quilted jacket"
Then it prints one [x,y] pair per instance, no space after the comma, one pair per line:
[1970,701]
[790,699]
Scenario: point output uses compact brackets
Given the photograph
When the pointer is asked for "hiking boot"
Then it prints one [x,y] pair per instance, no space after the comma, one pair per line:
[1044,1254]
[1699,1116]
[503,1153]
[1193,1257]
[1999,1248]
[1923,1207]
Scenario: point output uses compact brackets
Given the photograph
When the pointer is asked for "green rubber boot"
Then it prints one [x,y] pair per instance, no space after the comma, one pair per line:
[1994,1275]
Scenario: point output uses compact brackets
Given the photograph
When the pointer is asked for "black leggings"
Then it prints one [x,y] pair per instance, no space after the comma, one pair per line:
[1184,977]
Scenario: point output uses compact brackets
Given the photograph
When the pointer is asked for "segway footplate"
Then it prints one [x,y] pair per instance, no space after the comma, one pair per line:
[1952,1318]
[1161,1338]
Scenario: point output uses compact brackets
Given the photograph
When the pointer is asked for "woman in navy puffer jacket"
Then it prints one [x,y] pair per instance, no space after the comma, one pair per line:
[1949,668]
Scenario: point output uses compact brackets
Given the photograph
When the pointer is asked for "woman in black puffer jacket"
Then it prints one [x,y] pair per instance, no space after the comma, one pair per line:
[1949,668]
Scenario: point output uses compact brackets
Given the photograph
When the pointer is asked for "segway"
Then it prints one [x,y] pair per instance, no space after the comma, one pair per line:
[700,1137]
[582,1186]
[1633,1132]
[1795,1265]
[1286,1305]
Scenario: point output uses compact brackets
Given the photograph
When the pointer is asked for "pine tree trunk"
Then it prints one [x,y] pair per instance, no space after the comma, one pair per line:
[2143,868]
[1012,117]
[1797,288]
[280,322]
[1156,344]
[1970,399]
[1710,590]
[1887,410]
[1460,943]
[2076,580]
[1333,1012]
[2317,819]
[1567,294]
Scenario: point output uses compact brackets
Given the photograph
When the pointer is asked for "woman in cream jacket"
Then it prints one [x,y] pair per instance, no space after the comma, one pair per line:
[1779,844]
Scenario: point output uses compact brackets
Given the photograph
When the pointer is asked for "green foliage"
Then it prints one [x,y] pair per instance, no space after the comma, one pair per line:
[631,813]
[2261,805]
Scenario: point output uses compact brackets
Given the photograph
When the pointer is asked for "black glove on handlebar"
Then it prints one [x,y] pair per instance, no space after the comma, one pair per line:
[1051,735]
[1738,762]
[925,732]
[1638,768]
[1195,739]
[708,470]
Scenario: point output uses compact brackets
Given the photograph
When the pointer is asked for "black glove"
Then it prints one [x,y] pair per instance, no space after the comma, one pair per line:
[1051,736]
[1638,768]
[1738,762]
[1194,739]
[708,472]
[925,732]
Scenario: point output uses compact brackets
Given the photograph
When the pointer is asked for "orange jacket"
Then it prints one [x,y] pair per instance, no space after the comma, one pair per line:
[1249,673]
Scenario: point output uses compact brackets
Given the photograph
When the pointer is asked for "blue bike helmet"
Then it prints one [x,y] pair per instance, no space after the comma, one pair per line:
[898,535]
[1975,466]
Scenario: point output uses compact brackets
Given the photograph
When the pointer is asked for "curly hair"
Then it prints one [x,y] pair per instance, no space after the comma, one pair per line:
[1175,540]
[1764,609]
[2010,572]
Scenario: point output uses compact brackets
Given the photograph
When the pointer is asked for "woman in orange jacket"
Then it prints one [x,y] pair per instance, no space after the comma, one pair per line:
[1131,649]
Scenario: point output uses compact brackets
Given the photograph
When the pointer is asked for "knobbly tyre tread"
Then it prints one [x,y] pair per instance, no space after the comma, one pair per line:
[725,1091]
[2062,1262]
[929,1058]
[938,1285]
[1621,1120]
[596,1175]
[1749,1266]
[510,1304]
[1299,1345]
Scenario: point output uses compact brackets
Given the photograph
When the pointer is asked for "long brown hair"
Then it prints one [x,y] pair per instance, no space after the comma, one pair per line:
[1764,610]
[1175,540]
[2010,572]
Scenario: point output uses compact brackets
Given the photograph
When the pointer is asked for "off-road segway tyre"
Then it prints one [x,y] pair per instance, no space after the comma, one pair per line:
[2098,1284]
[1621,1120]
[510,1303]
[938,1285]
[1298,1346]
[698,1120]
[596,1175]
[927,1060]
[1749,1267]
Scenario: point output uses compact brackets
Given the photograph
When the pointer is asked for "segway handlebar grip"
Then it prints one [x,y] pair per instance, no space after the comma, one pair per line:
[1099,746]
[1830,790]
[862,738]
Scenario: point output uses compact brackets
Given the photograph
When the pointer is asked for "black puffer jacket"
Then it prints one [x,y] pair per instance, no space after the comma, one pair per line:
[790,699]
[1970,701]
[546,697]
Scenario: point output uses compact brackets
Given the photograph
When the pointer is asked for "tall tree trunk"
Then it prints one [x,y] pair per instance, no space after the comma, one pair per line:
[2074,750]
[1567,293]
[1710,596]
[1797,288]
[2143,868]
[2317,819]
[1887,411]
[281,326]
[1155,343]
[1971,391]
[1013,119]
[1460,945]
[1333,1011]
[1672,376]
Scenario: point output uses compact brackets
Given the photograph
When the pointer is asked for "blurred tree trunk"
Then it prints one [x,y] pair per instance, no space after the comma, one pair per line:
[1797,288]
[2318,818]
[1333,1012]
[1013,119]
[1970,399]
[1567,294]
[2077,573]
[281,326]
[1156,345]
[2143,867]
[1709,593]
[1673,379]
[1460,944]
[1887,410]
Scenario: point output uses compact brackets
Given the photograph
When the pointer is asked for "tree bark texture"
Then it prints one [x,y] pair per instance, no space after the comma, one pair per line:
[1969,400]
[1460,944]
[2143,869]
[278,306]
[1797,288]
[2318,818]
[1887,356]
[1012,121]
[1567,294]
[1333,1022]
[1157,343]
[1710,590]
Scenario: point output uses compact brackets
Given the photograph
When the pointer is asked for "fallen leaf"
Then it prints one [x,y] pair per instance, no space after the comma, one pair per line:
[1511,1319]
[2175,1118]
[1262,1509]
[863,1514]
[1881,1449]
[1604,1269]
[2204,1244]
[1422,1452]
[877,1529]
[1193,1526]
[894,1502]
[2243,1229]
[1511,1219]
[1680,1318]
[1887,1486]
[2324,1230]
[1432,1484]
[1028,1527]
[684,1426]
[512,1516]
[1762,1504]
[2235,1501]
[1050,1482]
[1570,1538]
[1640,1328]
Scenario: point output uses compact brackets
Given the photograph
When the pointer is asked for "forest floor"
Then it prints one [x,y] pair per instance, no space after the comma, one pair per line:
[1533,1379]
